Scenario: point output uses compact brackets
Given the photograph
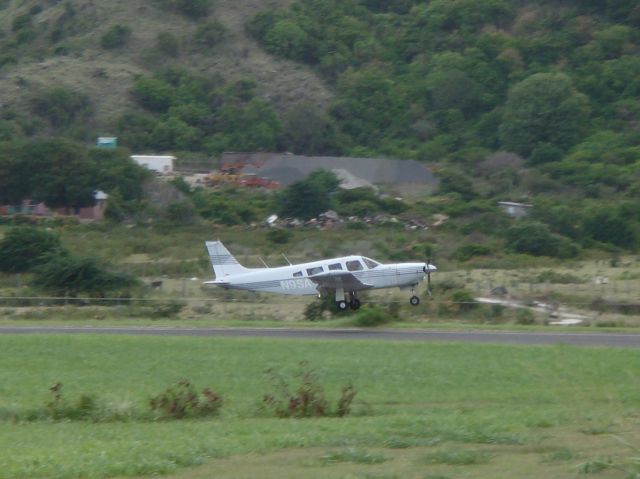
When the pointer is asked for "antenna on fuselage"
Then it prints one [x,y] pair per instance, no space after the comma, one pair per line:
[287,259]
[262,261]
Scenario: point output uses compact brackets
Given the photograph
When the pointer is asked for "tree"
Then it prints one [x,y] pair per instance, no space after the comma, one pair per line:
[60,106]
[371,106]
[543,108]
[14,176]
[534,238]
[116,171]
[308,198]
[608,225]
[61,173]
[286,38]
[25,247]
[308,131]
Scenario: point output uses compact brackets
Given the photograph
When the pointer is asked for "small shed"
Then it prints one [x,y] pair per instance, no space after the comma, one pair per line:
[161,164]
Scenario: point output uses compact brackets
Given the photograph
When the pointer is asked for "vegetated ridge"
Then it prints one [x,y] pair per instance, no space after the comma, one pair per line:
[512,100]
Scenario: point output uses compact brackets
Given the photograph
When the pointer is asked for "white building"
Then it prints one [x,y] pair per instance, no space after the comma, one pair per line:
[160,164]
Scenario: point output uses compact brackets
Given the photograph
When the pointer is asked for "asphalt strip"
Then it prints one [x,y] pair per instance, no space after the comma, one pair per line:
[629,340]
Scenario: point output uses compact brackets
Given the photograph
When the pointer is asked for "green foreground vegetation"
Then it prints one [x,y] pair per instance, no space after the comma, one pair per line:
[421,410]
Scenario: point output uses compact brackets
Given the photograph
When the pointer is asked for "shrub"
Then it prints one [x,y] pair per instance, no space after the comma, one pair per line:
[24,247]
[308,398]
[58,408]
[466,252]
[61,107]
[117,36]
[319,309]
[189,8]
[182,401]
[550,276]
[69,275]
[371,315]
[168,44]
[210,34]
[279,236]
[525,316]
[464,299]
[169,309]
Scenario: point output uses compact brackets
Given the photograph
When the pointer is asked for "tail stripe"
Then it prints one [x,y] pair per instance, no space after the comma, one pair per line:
[223,259]
[223,262]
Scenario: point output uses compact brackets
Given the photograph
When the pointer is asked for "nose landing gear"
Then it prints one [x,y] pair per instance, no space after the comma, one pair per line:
[414,300]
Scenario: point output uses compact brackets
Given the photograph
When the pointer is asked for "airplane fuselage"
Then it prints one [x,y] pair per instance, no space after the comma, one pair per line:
[296,279]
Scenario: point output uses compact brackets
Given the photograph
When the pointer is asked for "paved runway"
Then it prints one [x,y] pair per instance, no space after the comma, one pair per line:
[490,337]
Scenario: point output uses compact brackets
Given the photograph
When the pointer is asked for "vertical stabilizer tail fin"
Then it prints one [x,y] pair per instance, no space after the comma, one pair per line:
[223,262]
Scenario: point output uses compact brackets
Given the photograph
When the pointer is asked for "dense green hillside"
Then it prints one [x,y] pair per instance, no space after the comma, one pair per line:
[510,99]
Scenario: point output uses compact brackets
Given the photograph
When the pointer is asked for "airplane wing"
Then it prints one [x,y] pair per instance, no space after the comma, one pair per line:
[339,279]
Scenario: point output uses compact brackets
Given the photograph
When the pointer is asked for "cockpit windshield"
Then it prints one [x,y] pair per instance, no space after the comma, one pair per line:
[370,263]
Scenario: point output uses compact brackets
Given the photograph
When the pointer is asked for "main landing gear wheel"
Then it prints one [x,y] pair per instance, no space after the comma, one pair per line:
[414,300]
[342,305]
[354,303]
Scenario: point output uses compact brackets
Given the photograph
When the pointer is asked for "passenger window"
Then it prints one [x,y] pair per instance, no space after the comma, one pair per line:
[354,265]
[370,263]
[316,270]
[297,274]
[335,266]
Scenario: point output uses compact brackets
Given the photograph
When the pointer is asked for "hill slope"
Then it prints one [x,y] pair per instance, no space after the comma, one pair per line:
[63,48]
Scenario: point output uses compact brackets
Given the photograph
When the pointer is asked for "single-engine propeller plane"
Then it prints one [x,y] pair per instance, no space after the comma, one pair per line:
[344,276]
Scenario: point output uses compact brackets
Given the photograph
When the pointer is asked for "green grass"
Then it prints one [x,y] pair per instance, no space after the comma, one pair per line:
[410,397]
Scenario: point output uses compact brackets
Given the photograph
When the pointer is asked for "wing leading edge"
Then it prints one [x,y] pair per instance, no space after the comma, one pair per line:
[339,279]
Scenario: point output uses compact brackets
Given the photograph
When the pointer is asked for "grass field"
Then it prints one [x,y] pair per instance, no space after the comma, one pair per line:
[423,410]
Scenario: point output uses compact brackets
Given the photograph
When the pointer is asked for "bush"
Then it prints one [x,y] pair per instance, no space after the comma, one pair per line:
[210,34]
[525,316]
[69,275]
[61,107]
[532,238]
[464,299]
[371,315]
[182,401]
[279,236]
[189,8]
[169,309]
[550,276]
[466,252]
[25,247]
[168,44]
[308,399]
[318,310]
[117,36]
[58,408]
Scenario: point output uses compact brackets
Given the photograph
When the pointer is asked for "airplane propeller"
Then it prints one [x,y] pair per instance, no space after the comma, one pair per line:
[427,270]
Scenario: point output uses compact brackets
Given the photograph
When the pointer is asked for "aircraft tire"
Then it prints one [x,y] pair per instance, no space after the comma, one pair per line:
[354,304]
[414,300]
[342,305]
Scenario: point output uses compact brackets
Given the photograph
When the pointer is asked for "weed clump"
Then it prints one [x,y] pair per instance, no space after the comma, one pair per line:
[182,401]
[60,408]
[307,399]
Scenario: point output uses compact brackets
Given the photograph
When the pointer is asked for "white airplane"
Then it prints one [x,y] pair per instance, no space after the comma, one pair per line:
[343,276]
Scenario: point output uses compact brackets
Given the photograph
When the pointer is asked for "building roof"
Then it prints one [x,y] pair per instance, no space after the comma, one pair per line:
[287,168]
